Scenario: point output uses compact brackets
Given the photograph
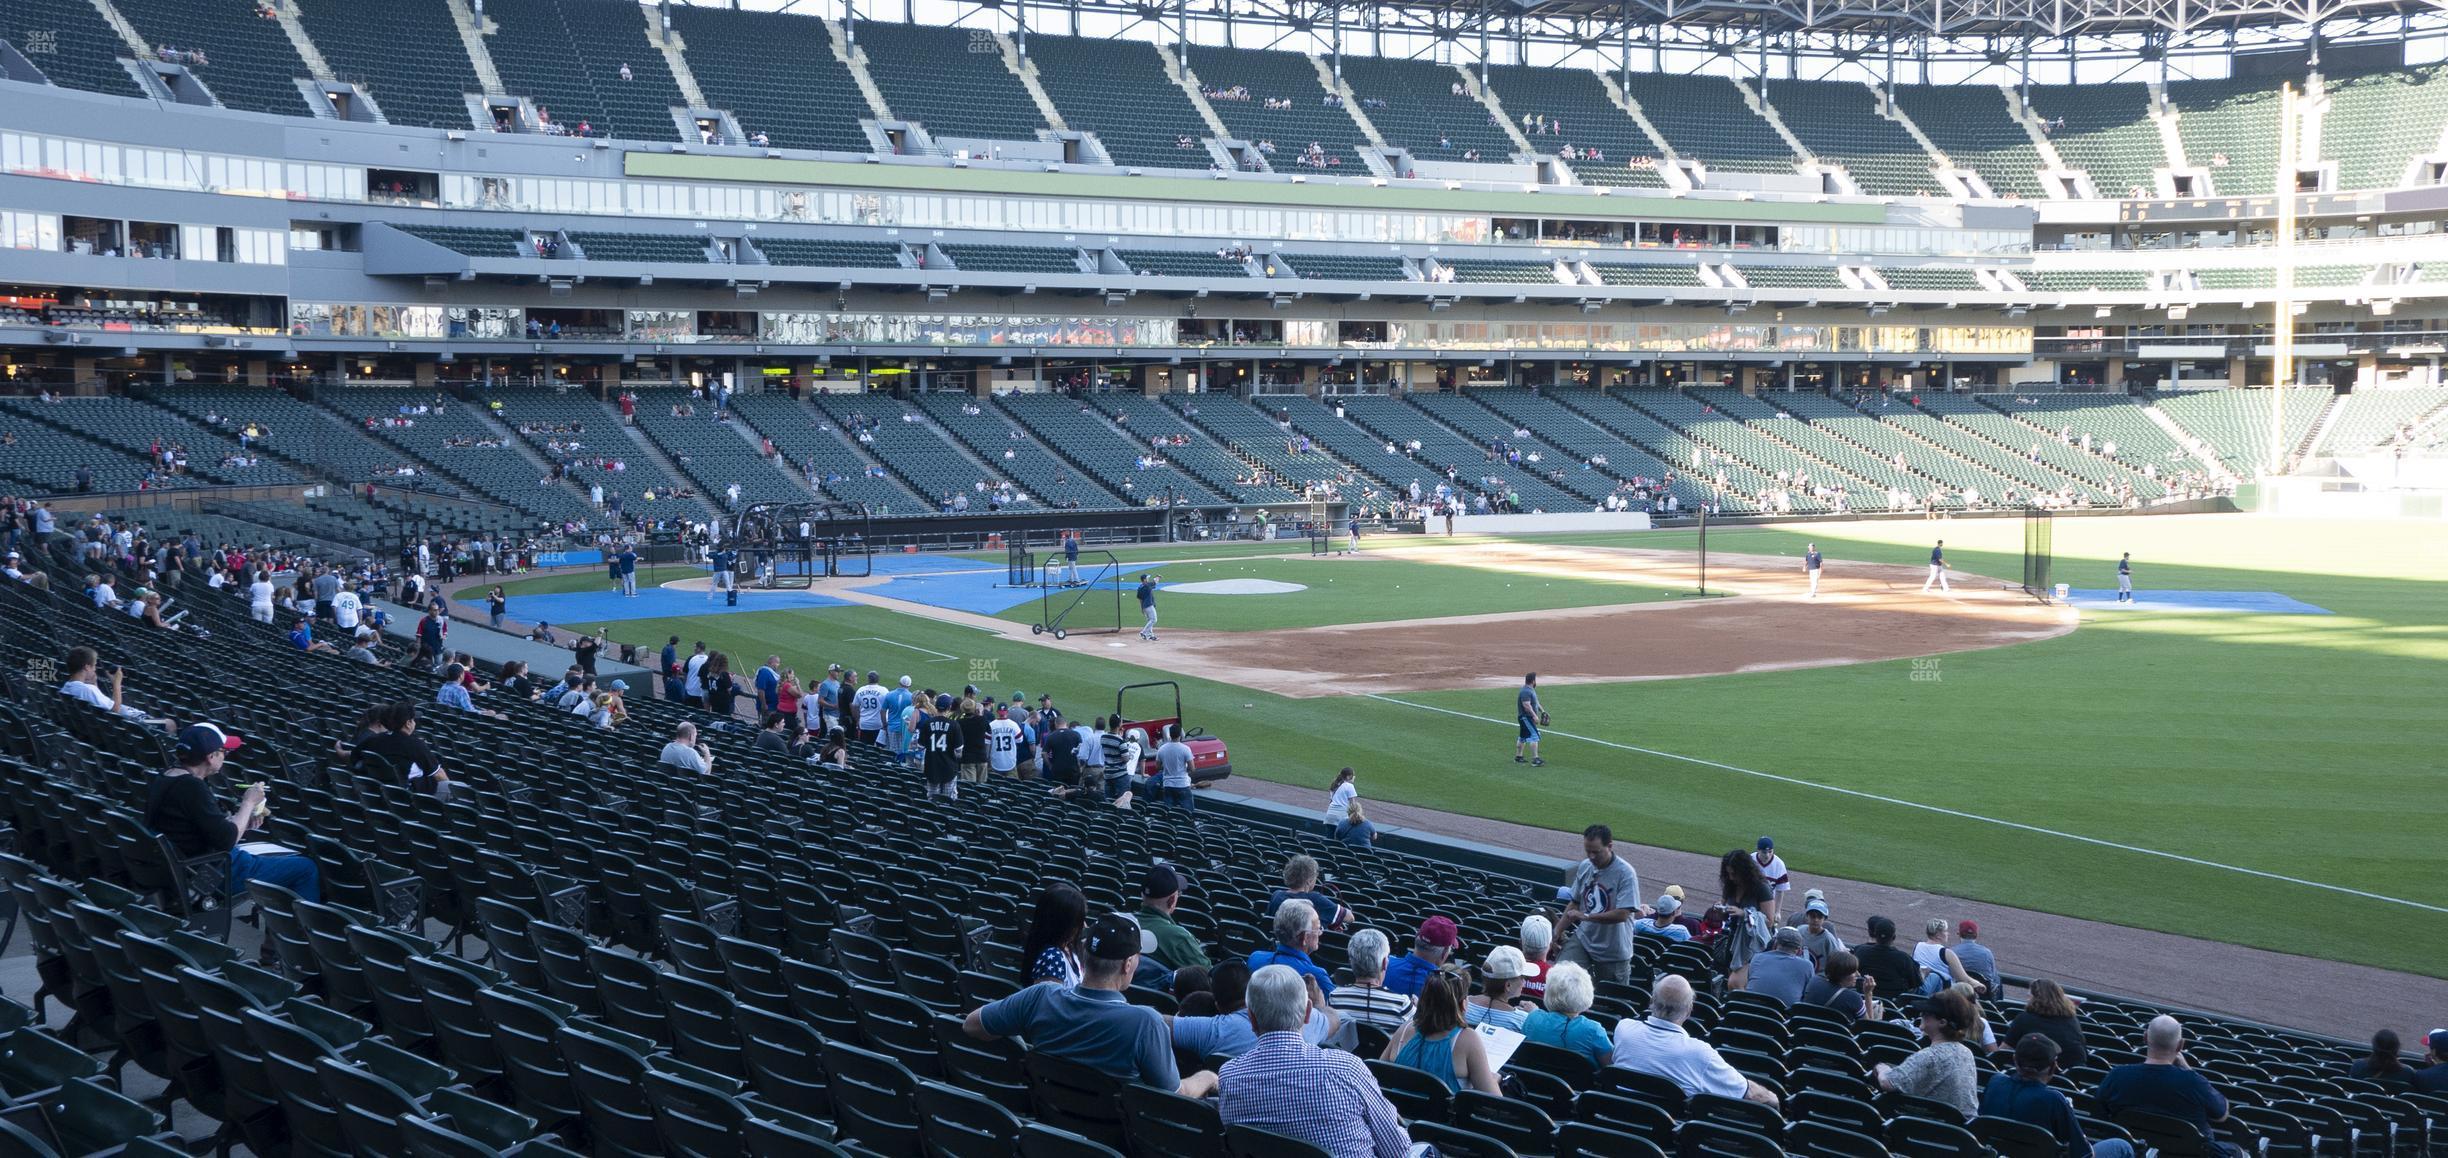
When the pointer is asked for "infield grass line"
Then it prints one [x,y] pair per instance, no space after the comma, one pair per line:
[898,643]
[1940,810]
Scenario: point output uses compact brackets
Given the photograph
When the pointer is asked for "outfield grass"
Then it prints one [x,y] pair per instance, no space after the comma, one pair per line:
[1356,590]
[2301,746]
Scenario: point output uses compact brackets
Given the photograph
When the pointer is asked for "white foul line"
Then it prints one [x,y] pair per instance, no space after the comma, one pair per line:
[898,643]
[1857,793]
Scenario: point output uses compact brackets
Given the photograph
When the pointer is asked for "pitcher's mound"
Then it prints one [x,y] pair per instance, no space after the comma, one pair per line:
[1237,587]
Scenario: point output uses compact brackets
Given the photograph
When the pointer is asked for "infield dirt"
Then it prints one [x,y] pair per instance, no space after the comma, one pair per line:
[1757,616]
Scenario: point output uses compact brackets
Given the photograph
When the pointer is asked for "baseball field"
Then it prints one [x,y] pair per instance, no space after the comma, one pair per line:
[2250,754]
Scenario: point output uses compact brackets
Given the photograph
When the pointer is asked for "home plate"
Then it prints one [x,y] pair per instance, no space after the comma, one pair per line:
[1237,587]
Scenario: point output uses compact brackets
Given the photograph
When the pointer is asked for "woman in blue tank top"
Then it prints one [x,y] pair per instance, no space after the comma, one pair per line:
[1437,1042]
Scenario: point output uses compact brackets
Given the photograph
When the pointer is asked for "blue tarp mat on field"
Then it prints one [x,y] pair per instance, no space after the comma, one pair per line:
[981,592]
[654,603]
[2229,602]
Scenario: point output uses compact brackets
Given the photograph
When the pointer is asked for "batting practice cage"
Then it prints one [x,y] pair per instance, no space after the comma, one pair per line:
[791,545]
[2038,553]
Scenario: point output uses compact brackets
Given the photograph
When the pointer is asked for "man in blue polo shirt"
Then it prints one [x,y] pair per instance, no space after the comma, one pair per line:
[1810,563]
[626,564]
[1296,937]
[1429,951]
[1091,1023]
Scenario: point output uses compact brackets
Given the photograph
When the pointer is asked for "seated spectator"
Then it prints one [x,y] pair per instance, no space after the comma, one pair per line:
[2051,1014]
[1366,1000]
[1843,987]
[2433,1077]
[408,756]
[1355,829]
[1939,965]
[1050,949]
[1499,1001]
[1195,990]
[1228,1030]
[83,683]
[1324,1098]
[1569,994]
[179,804]
[1090,1023]
[2024,1095]
[1437,1042]
[1431,948]
[1944,1069]
[454,693]
[2384,1066]
[1537,935]
[771,738]
[1296,937]
[361,648]
[1818,938]
[685,753]
[1175,948]
[1782,972]
[13,566]
[2163,1082]
[1657,1044]
[1661,919]
[302,637]
[1978,961]
[611,707]
[1300,875]
[516,683]
[1892,969]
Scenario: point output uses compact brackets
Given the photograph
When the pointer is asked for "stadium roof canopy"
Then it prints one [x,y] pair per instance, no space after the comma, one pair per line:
[1963,37]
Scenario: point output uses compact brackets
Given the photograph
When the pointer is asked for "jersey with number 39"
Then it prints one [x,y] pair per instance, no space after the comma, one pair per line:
[939,738]
[1002,745]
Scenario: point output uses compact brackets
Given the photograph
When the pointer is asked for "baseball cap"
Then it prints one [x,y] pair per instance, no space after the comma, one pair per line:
[1967,928]
[905,681]
[1161,881]
[943,703]
[1002,709]
[1819,907]
[2439,1041]
[1504,963]
[620,685]
[1440,931]
[1675,891]
[1114,937]
[1668,904]
[1766,843]
[204,739]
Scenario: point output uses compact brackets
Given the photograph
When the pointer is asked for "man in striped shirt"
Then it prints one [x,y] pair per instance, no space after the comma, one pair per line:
[1367,999]
[1325,1098]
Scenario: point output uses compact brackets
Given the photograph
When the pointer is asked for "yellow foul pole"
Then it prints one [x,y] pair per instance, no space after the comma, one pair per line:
[2282,360]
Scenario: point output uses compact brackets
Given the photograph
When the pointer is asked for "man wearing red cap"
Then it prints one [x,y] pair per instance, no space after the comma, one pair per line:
[1430,950]
[180,806]
[1976,957]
